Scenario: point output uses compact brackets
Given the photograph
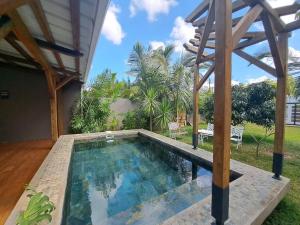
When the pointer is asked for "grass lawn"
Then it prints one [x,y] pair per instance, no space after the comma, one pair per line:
[288,211]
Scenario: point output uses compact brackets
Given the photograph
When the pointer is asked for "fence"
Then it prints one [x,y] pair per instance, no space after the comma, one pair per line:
[292,114]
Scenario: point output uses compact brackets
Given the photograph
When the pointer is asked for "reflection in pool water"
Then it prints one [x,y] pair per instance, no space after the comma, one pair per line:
[130,181]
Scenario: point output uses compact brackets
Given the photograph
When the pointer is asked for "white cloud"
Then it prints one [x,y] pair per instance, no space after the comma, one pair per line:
[258,79]
[280,3]
[112,28]
[181,33]
[157,44]
[235,82]
[152,7]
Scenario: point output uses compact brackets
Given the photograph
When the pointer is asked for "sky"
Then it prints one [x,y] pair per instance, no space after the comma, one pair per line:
[157,23]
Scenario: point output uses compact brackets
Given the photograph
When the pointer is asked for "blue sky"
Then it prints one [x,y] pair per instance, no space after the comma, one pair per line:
[161,22]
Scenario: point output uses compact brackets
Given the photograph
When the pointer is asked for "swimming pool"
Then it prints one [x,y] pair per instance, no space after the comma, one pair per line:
[131,181]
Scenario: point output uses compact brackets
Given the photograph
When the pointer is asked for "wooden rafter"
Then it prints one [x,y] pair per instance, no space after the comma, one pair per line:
[207,28]
[206,76]
[256,62]
[23,34]
[9,5]
[271,36]
[63,82]
[75,21]
[5,26]
[243,25]
[236,6]
[37,65]
[278,23]
[42,20]
[201,8]
[21,50]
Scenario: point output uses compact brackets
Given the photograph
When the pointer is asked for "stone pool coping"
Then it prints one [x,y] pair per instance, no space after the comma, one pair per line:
[253,196]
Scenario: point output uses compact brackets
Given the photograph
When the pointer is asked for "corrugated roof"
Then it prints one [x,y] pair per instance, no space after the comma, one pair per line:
[58,15]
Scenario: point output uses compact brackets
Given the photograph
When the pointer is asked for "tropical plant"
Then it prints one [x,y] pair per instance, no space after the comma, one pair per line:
[90,114]
[38,209]
[293,60]
[150,105]
[261,109]
[180,85]
[135,120]
[164,114]
[239,104]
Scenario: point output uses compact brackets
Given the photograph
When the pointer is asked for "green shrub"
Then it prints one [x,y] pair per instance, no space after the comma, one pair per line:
[135,120]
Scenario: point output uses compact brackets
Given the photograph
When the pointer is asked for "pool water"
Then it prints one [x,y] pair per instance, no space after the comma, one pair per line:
[130,181]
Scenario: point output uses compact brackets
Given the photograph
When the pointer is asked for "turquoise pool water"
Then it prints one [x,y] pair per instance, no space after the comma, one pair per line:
[130,181]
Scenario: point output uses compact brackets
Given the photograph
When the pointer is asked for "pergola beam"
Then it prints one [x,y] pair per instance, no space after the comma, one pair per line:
[243,25]
[210,70]
[292,26]
[271,36]
[201,8]
[278,23]
[256,62]
[207,28]
[236,6]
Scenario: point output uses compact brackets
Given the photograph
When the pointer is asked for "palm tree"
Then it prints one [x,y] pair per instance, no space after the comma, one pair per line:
[297,16]
[150,104]
[293,60]
[164,114]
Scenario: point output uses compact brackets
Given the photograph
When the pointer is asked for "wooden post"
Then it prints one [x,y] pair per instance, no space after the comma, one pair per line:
[280,106]
[60,112]
[222,111]
[195,106]
[53,108]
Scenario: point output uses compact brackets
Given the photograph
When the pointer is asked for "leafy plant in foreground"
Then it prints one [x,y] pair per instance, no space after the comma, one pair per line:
[38,209]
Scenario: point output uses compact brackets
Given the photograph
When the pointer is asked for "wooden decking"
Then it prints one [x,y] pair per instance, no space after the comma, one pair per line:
[18,164]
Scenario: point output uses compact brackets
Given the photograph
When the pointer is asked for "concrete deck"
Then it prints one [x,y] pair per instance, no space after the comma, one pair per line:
[253,195]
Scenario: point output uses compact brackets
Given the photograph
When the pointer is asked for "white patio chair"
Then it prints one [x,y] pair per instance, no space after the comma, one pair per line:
[205,133]
[237,135]
[173,129]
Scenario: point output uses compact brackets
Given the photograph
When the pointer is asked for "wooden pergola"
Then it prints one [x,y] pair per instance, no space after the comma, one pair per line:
[219,30]
[32,48]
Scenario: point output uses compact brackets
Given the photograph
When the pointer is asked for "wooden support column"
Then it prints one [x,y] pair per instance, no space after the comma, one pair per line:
[60,112]
[280,106]
[195,106]
[222,111]
[53,116]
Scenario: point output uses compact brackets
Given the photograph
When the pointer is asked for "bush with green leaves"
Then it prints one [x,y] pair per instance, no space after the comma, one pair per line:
[90,114]
[38,209]
[254,103]
[135,120]
[164,114]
